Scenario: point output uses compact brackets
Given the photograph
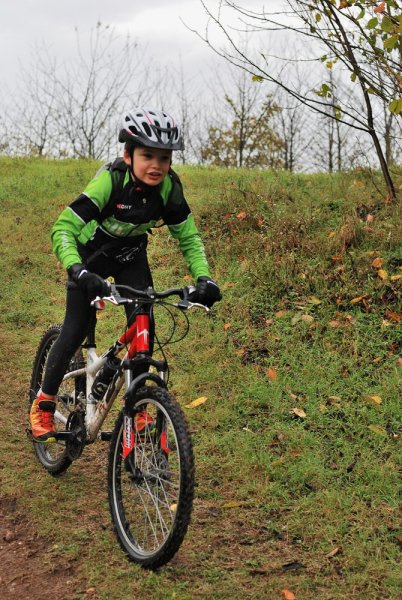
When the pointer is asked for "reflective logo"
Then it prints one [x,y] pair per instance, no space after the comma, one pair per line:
[145,333]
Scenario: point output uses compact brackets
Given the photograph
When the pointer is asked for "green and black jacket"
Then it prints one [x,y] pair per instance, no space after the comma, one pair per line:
[114,208]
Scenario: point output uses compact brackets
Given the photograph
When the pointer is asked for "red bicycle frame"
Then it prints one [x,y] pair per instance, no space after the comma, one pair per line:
[137,336]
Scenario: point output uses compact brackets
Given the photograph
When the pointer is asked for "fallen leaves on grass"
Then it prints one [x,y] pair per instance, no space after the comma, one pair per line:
[376,400]
[378,429]
[288,595]
[197,402]
[298,412]
[393,316]
[358,299]
[272,374]
[377,262]
[314,300]
[233,504]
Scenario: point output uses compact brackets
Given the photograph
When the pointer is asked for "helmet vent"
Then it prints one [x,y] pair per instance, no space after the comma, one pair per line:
[147,129]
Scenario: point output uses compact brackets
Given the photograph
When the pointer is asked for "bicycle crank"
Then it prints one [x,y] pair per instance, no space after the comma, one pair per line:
[76,438]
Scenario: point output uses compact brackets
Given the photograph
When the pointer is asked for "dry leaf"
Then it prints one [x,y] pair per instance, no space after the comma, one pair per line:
[380,8]
[197,402]
[333,553]
[241,215]
[299,412]
[282,313]
[395,277]
[314,300]
[288,595]
[296,318]
[370,218]
[334,323]
[307,318]
[358,299]
[272,374]
[376,400]
[377,263]
[227,326]
[393,316]
[382,274]
[378,429]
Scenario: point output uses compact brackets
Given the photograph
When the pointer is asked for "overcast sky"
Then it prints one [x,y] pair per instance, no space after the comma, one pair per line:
[26,24]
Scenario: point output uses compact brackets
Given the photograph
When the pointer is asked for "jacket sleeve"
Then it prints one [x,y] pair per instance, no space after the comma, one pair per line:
[179,219]
[86,208]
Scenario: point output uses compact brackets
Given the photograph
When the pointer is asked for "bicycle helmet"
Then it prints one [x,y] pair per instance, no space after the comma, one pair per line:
[151,128]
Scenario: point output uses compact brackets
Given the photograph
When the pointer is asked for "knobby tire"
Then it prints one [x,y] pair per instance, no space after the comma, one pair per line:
[151,491]
[53,457]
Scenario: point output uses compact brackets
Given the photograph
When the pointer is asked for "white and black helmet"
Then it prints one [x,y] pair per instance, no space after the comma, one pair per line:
[151,128]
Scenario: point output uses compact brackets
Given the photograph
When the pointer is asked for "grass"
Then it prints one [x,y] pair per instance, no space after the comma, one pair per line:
[298,447]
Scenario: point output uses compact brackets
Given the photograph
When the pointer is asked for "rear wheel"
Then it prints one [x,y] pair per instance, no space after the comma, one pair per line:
[151,490]
[54,456]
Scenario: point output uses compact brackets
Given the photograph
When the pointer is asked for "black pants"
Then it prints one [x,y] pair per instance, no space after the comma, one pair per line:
[136,274]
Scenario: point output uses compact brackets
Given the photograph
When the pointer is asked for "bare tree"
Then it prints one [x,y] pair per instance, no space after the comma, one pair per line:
[92,88]
[353,41]
[72,109]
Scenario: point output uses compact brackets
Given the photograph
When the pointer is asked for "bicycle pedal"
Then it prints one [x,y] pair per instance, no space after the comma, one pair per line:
[106,436]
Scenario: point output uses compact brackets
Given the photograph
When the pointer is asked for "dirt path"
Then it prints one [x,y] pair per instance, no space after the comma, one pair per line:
[26,567]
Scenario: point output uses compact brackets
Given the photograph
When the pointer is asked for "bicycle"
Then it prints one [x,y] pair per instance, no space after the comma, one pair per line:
[150,466]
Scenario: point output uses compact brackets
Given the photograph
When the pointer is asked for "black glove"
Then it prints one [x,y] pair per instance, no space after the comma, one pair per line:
[207,292]
[90,283]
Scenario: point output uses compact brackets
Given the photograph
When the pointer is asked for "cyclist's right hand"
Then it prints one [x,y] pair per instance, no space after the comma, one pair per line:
[91,284]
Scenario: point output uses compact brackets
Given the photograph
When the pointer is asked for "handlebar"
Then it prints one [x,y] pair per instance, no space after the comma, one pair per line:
[151,295]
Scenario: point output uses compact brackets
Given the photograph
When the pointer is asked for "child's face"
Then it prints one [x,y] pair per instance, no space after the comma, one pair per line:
[151,165]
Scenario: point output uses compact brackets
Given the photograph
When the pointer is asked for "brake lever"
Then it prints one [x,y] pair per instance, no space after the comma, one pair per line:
[186,305]
[116,300]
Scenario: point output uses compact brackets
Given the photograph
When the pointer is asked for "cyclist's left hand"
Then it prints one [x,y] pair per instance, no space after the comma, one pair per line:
[207,292]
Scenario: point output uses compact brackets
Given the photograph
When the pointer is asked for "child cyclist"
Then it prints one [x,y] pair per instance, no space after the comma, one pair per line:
[104,233]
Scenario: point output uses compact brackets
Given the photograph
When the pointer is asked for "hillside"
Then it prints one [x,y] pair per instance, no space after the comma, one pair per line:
[298,445]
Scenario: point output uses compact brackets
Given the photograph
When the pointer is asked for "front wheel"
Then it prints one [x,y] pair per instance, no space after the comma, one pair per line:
[151,490]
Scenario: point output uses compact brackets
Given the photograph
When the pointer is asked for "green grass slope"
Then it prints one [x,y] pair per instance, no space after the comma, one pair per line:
[298,445]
